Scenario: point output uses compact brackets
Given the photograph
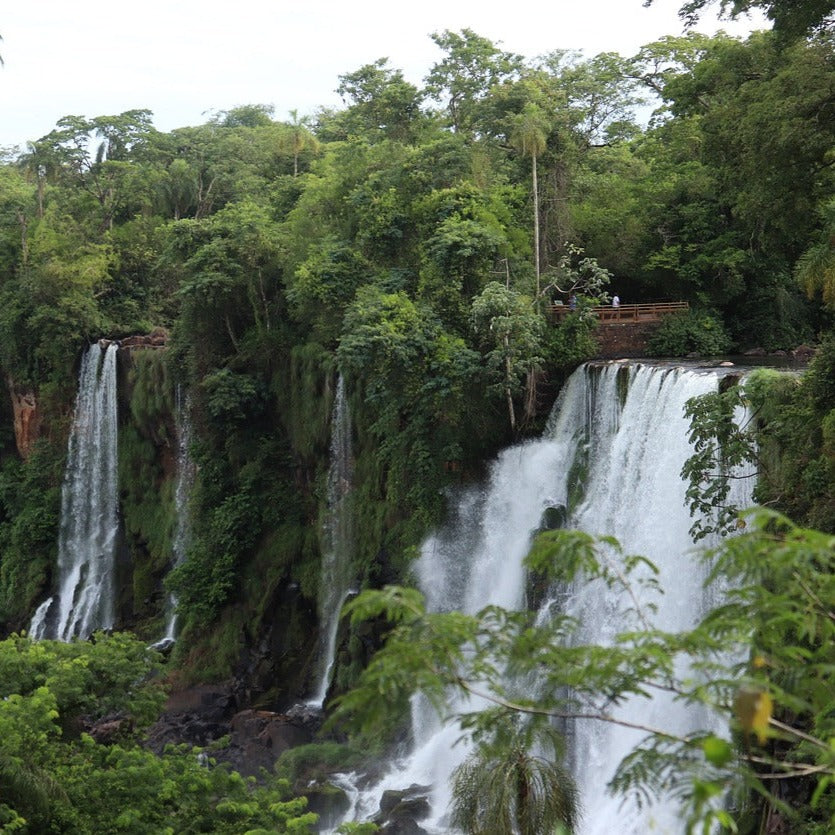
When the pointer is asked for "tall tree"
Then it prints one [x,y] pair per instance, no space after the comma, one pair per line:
[301,138]
[108,174]
[791,18]
[471,67]
[512,335]
[381,104]
[529,135]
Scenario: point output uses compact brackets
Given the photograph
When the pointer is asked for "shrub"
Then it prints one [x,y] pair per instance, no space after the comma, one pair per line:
[693,332]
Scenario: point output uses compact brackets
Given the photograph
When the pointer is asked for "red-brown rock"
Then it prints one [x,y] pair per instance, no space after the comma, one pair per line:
[27,418]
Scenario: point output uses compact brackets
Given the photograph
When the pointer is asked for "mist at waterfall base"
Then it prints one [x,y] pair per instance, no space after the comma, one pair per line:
[620,432]
[89,526]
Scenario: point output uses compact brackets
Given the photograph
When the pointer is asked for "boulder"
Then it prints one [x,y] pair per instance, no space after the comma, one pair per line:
[259,737]
[803,353]
[197,716]
[400,811]
[109,729]
[330,802]
[553,518]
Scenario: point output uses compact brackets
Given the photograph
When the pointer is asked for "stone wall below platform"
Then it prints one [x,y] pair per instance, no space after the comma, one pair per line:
[624,339]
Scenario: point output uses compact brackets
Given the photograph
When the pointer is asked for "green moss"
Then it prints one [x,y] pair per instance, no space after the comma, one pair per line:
[151,394]
[211,656]
[30,506]
[147,473]
[305,397]
[622,381]
[316,761]
[578,475]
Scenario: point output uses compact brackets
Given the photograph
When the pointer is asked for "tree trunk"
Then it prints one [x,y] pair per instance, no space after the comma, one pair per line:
[536,226]
[532,394]
[508,378]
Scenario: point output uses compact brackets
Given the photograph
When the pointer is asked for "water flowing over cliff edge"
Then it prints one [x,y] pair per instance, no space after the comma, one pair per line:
[89,525]
[611,459]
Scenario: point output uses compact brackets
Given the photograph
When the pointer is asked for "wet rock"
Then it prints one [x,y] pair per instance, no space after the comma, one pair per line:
[157,338]
[196,716]
[329,802]
[406,826]
[216,700]
[755,352]
[261,736]
[729,381]
[163,646]
[204,716]
[553,518]
[306,715]
[109,729]
[803,353]
[400,811]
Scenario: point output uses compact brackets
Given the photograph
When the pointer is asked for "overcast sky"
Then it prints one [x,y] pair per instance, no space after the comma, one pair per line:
[184,59]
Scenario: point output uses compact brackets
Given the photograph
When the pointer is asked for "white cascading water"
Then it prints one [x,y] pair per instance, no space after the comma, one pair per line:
[634,492]
[182,491]
[338,541]
[622,427]
[87,537]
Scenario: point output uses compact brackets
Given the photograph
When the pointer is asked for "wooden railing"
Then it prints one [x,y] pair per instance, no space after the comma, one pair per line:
[626,312]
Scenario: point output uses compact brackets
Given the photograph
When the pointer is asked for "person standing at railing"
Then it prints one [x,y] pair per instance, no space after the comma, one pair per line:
[616,301]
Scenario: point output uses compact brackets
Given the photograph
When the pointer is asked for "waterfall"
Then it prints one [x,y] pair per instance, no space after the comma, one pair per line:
[182,492]
[633,491]
[338,541]
[85,600]
[611,454]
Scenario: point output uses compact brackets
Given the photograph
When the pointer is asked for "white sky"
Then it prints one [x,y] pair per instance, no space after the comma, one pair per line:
[183,59]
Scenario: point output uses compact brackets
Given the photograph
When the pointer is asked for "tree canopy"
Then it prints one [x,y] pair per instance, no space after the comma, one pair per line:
[412,242]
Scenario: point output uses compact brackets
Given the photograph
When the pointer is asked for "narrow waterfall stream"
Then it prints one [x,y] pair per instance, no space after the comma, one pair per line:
[338,541]
[88,530]
[182,491]
[612,455]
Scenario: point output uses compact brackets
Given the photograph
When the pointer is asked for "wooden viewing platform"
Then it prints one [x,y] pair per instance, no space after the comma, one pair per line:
[625,313]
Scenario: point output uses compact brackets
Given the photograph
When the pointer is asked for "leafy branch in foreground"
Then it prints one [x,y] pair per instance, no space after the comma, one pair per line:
[761,663]
[725,450]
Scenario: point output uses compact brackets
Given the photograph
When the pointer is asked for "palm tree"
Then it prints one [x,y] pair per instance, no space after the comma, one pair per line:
[27,791]
[815,269]
[301,139]
[38,164]
[529,136]
[504,788]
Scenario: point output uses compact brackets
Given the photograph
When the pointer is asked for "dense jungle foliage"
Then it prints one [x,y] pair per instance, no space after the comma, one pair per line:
[55,777]
[411,241]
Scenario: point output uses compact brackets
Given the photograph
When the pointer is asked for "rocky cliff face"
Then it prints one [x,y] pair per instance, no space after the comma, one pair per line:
[27,419]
